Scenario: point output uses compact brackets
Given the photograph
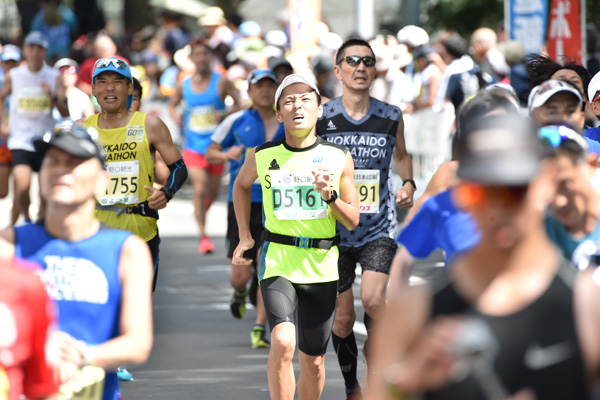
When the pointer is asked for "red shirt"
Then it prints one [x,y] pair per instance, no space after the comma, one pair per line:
[26,317]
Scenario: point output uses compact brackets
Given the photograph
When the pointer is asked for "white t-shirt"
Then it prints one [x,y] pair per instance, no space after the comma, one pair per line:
[30,107]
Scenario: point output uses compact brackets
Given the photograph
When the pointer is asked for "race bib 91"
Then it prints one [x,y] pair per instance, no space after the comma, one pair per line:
[123,185]
[367,186]
[295,197]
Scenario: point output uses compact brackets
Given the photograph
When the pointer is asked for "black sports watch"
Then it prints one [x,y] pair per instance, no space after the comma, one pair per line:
[411,181]
[332,198]
[168,192]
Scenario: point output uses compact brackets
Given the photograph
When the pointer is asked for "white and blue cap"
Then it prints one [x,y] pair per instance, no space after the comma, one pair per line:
[37,38]
[113,64]
[260,74]
[10,52]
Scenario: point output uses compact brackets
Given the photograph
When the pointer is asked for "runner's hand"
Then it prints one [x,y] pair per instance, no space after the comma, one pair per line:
[404,197]
[322,182]
[157,199]
[238,253]
[235,152]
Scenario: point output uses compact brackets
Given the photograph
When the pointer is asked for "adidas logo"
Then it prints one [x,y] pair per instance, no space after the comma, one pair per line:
[331,126]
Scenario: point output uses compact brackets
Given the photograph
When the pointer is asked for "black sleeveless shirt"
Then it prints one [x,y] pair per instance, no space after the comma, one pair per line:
[538,345]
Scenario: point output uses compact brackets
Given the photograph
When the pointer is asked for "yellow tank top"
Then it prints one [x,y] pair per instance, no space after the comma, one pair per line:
[130,167]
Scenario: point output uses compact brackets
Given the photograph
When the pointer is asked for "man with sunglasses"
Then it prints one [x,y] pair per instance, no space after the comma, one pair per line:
[34,89]
[99,278]
[537,320]
[239,133]
[373,131]
[130,140]
[574,213]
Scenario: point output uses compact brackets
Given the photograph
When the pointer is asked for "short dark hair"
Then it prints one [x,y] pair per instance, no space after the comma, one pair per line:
[137,86]
[540,68]
[455,45]
[339,55]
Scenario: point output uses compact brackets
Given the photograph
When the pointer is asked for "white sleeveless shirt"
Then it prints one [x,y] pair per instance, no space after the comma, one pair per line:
[30,107]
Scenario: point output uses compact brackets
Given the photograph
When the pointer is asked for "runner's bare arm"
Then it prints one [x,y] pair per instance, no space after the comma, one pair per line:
[404,197]
[4,91]
[227,88]
[61,97]
[345,208]
[443,179]
[241,205]
[175,100]
[134,343]
[7,244]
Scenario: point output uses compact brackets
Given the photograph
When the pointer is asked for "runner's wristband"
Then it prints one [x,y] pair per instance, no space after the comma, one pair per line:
[411,181]
[177,176]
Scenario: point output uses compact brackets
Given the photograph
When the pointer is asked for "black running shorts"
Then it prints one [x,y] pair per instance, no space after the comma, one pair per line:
[311,308]
[256,230]
[374,256]
[30,158]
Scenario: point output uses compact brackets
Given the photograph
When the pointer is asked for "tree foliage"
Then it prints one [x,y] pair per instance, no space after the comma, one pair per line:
[463,16]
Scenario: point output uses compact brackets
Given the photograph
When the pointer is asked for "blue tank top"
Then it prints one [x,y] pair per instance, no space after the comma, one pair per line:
[371,142]
[247,128]
[83,280]
[200,120]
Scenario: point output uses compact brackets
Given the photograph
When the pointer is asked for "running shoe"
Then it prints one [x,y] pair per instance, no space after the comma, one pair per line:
[257,337]
[238,304]
[205,246]
[123,374]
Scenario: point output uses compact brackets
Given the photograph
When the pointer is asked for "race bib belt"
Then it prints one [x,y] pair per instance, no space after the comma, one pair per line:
[295,196]
[367,185]
[123,185]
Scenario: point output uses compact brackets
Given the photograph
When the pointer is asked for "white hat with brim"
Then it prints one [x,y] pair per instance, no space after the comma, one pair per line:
[594,87]
[292,80]
[542,93]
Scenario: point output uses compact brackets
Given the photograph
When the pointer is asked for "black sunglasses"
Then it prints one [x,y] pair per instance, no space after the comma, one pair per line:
[353,61]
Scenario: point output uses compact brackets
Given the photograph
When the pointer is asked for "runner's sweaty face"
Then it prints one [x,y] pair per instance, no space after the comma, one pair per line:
[299,109]
[69,180]
[357,77]
[111,90]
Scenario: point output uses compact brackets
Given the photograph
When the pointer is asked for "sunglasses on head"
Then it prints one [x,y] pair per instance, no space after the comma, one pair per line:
[596,98]
[353,61]
[105,62]
[90,134]
[475,194]
[258,74]
[68,68]
[554,135]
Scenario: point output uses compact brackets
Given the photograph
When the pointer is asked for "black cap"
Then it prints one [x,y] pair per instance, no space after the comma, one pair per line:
[74,139]
[499,151]
[277,62]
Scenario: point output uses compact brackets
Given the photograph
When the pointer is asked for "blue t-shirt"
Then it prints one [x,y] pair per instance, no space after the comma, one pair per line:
[439,224]
[564,240]
[247,128]
[592,137]
[82,278]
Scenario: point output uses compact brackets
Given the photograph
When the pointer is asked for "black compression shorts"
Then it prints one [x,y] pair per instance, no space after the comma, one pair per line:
[311,308]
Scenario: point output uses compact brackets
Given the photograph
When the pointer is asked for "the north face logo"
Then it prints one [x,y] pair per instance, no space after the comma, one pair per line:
[331,126]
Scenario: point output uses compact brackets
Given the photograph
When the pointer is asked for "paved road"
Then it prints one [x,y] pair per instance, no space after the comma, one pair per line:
[200,351]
